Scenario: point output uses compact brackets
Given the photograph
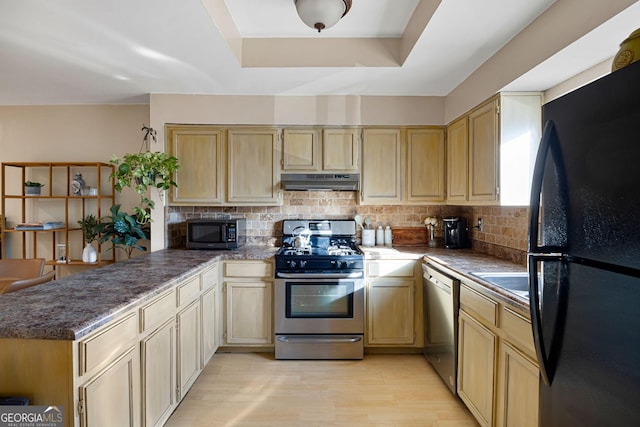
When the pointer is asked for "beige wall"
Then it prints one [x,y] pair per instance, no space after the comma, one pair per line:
[82,133]
[559,26]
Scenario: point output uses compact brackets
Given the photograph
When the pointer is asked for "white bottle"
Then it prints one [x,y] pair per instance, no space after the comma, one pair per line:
[388,236]
[379,236]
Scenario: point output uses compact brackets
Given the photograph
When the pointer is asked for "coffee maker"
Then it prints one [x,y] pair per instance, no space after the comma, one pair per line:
[456,233]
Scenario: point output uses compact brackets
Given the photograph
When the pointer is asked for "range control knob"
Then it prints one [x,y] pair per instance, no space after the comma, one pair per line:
[292,264]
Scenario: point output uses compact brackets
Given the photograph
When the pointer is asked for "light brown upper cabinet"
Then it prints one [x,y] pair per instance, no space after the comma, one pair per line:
[425,165]
[483,153]
[381,180]
[326,150]
[199,152]
[300,150]
[491,151]
[403,166]
[252,161]
[340,150]
[457,160]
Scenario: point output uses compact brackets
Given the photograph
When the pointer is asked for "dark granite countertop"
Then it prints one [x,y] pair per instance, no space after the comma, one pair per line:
[458,263]
[72,307]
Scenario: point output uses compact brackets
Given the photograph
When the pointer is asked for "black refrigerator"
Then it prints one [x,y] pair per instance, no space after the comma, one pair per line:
[584,255]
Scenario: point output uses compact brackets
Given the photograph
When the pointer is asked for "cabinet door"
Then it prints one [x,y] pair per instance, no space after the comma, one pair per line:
[425,165]
[340,148]
[457,160]
[518,383]
[208,301]
[112,397]
[483,153]
[249,312]
[381,166]
[188,346]
[300,150]
[476,368]
[200,175]
[158,359]
[390,311]
[252,162]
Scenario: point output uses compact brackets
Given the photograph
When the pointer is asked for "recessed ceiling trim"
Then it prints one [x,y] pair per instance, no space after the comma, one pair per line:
[321,52]
[304,52]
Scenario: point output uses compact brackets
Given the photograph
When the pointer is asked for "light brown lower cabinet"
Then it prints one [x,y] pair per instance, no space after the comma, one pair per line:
[248,303]
[158,360]
[132,371]
[498,377]
[518,381]
[393,303]
[476,367]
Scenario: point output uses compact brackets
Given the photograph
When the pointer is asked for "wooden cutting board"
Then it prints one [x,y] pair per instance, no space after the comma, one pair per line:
[410,236]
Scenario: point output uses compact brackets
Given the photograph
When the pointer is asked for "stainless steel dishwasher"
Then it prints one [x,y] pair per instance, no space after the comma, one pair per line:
[441,301]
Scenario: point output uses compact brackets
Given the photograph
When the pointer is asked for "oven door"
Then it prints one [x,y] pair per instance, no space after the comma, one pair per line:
[309,303]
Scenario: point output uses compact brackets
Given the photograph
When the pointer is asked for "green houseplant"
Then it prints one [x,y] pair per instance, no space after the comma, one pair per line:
[90,230]
[122,230]
[33,188]
[142,171]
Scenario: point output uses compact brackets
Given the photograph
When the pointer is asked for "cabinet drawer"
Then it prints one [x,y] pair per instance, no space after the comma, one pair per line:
[188,291]
[157,311]
[395,268]
[248,269]
[479,304]
[107,344]
[210,277]
[518,330]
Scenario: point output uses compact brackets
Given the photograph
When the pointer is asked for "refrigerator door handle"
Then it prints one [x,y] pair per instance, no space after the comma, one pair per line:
[547,357]
[536,187]
[549,147]
[536,323]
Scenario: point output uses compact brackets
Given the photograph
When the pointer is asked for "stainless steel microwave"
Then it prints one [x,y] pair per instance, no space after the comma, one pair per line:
[216,233]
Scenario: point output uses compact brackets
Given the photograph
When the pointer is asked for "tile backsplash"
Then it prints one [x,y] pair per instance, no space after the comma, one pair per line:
[503,235]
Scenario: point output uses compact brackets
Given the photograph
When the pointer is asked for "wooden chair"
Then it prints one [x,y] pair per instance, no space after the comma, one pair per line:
[16,274]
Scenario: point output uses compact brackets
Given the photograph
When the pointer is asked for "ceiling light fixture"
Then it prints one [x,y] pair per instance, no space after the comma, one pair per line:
[322,14]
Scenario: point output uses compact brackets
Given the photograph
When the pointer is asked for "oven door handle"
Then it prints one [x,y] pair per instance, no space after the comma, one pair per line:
[316,339]
[353,275]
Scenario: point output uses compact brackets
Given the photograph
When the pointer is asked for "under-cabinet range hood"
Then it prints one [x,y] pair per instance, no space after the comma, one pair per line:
[321,181]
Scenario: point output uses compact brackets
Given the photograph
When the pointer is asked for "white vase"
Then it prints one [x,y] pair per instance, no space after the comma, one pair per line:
[89,253]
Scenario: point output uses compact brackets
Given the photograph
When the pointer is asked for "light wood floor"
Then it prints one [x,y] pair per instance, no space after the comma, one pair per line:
[254,389]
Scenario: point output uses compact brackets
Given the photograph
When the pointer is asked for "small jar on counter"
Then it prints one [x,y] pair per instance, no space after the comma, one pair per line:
[379,236]
[388,236]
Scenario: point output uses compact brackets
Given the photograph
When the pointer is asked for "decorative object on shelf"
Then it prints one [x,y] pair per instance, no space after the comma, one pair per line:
[431,222]
[322,14]
[90,229]
[122,230]
[61,253]
[143,170]
[77,184]
[32,188]
[629,51]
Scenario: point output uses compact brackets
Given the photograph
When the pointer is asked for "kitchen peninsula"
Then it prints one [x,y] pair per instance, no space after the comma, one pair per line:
[97,342]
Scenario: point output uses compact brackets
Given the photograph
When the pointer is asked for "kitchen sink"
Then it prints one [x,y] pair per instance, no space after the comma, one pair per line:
[518,283]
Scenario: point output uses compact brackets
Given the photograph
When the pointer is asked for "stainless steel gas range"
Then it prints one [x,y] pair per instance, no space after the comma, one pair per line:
[319,291]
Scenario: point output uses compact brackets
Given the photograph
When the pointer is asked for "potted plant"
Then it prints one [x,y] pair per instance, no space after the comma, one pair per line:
[122,230]
[32,188]
[90,229]
[142,171]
